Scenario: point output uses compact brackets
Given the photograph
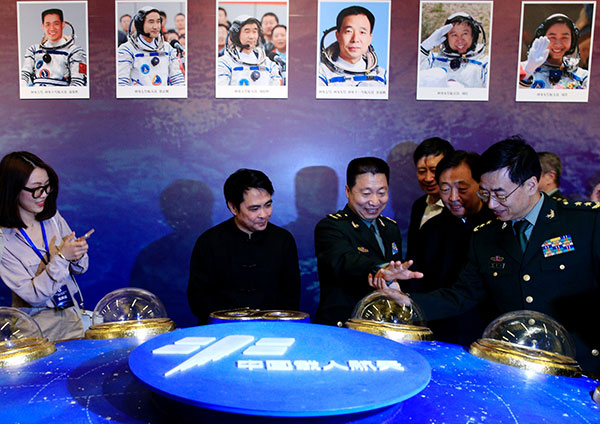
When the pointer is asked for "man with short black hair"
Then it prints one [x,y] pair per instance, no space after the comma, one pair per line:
[443,242]
[244,261]
[539,254]
[551,173]
[426,157]
[145,59]
[244,61]
[351,60]
[56,60]
[356,241]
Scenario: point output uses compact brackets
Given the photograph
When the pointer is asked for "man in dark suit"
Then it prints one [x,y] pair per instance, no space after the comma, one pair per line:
[356,241]
[551,173]
[426,157]
[540,254]
[443,243]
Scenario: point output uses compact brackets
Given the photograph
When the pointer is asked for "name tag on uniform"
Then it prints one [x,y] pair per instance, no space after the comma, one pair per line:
[558,245]
[497,262]
[362,249]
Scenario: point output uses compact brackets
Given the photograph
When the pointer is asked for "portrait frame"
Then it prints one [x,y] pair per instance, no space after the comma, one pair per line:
[75,15]
[157,87]
[446,74]
[568,81]
[243,87]
[371,85]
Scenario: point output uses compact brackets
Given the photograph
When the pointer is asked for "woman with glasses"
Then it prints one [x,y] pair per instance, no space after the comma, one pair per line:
[41,253]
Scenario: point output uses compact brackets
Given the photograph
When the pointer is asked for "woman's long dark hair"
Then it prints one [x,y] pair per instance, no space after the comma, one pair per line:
[15,170]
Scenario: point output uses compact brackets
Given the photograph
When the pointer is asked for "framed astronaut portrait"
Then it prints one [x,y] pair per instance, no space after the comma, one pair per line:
[251,45]
[353,45]
[555,57]
[151,54]
[455,41]
[53,57]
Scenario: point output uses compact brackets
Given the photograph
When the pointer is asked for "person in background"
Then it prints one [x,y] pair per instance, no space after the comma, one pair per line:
[426,157]
[551,173]
[41,253]
[593,187]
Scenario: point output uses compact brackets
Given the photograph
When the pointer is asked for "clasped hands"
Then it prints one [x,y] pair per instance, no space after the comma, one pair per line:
[71,248]
[396,270]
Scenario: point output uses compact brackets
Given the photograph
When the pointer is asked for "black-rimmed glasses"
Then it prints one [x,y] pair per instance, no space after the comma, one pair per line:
[486,196]
[36,192]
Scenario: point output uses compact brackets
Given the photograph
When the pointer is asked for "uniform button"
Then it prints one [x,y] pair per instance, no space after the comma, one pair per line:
[495,274]
[561,267]
[526,277]
[529,299]
[595,352]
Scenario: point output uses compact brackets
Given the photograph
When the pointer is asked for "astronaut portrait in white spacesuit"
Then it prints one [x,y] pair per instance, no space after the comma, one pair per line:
[461,60]
[55,61]
[244,61]
[351,60]
[553,57]
[145,59]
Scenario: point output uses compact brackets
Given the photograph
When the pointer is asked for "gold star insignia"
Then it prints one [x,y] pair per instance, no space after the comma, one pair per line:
[588,203]
[578,203]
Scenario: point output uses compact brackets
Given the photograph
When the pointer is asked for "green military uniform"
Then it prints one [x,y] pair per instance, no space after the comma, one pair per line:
[347,251]
[558,274]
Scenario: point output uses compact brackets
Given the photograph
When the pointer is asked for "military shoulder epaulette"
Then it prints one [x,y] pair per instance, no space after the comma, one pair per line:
[580,204]
[338,215]
[389,219]
[480,226]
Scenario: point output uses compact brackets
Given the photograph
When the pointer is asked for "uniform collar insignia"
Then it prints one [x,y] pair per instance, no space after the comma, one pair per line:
[381,221]
[551,214]
[504,224]
[354,224]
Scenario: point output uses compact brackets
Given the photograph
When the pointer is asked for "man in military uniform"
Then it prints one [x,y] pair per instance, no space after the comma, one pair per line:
[540,254]
[356,241]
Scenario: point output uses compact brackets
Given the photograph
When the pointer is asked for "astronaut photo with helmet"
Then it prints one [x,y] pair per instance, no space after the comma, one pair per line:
[54,66]
[148,66]
[353,54]
[550,56]
[244,63]
[454,51]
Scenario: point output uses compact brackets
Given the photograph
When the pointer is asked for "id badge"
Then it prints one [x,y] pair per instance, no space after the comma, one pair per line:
[62,298]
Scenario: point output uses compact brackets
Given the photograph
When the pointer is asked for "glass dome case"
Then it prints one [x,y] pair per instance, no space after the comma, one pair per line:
[21,339]
[529,340]
[378,314]
[129,312]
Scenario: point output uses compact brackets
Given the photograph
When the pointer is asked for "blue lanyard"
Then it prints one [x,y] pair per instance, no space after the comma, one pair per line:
[35,249]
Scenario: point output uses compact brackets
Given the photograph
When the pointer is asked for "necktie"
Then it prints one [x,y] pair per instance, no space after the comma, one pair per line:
[520,227]
[373,228]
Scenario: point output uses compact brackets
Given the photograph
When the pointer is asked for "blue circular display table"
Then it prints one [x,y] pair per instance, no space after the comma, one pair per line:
[280,369]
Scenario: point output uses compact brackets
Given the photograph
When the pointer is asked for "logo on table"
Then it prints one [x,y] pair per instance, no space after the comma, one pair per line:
[214,351]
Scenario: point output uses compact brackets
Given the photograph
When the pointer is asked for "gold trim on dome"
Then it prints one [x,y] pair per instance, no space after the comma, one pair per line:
[277,315]
[20,351]
[247,314]
[240,314]
[122,329]
[525,358]
[396,332]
